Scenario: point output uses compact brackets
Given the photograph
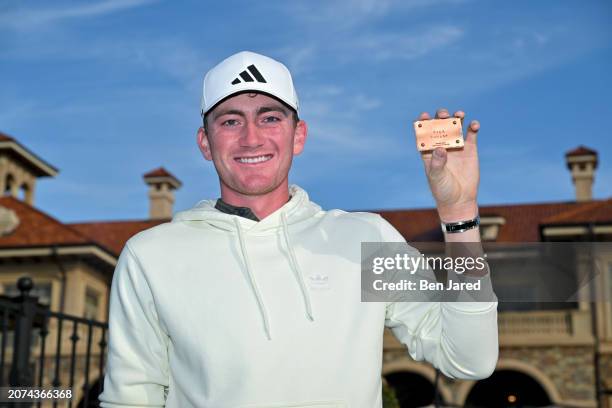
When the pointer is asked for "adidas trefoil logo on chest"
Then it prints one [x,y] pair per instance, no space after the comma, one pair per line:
[318,281]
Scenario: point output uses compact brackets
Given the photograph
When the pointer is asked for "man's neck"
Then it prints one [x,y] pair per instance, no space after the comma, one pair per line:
[261,205]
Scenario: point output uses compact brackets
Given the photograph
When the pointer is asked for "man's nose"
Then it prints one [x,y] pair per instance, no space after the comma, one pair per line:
[251,136]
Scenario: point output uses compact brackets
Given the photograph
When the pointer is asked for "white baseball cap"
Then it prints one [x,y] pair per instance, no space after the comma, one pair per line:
[247,71]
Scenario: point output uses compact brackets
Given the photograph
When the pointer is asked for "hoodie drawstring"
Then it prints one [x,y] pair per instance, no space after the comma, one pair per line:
[247,263]
[296,268]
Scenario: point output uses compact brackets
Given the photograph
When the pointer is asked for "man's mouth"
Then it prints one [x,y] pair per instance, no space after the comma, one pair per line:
[254,159]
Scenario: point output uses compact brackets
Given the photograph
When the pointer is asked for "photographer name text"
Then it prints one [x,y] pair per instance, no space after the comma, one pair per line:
[424,285]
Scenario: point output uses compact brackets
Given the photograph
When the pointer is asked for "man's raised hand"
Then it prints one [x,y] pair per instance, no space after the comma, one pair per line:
[454,175]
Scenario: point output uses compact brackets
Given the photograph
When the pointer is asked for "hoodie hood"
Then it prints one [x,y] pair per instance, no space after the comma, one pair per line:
[298,208]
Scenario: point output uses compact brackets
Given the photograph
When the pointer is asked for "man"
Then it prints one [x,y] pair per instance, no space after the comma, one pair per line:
[253,300]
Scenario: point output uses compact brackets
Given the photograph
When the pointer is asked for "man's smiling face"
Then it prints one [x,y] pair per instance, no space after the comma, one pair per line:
[251,139]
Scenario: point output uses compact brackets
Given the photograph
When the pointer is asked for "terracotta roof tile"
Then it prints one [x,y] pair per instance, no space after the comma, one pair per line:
[37,228]
[522,220]
[580,150]
[588,212]
[114,234]
[159,172]
[522,224]
[5,137]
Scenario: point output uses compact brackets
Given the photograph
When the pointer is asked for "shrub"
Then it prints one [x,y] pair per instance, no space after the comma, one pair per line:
[388,397]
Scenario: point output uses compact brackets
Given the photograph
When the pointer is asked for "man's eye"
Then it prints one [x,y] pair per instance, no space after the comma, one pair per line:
[229,122]
[271,119]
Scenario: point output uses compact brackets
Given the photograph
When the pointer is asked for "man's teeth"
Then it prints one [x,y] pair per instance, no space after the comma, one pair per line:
[254,159]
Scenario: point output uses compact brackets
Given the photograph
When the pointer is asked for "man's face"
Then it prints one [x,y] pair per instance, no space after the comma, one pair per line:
[251,140]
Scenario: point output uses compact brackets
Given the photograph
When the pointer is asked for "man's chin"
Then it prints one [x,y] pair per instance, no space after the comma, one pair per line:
[256,188]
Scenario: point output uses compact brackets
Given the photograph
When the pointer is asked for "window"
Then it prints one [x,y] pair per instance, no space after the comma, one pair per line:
[41,290]
[92,303]
[490,226]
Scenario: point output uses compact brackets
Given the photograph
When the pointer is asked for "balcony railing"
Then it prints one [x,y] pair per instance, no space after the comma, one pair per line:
[69,353]
[550,327]
[536,328]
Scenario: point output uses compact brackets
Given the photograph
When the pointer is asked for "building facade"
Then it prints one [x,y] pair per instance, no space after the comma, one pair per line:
[550,354]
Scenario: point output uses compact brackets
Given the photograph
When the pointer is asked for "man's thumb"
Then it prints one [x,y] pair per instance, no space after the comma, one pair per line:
[437,163]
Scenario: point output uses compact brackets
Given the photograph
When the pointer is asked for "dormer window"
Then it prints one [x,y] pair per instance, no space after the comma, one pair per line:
[489,226]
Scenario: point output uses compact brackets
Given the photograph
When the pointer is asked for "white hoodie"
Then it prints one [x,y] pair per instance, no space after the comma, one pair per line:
[216,310]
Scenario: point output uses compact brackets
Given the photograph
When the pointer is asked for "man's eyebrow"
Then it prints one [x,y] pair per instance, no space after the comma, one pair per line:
[228,112]
[273,108]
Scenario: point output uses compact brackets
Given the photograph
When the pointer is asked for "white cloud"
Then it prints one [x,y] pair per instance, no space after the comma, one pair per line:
[366,103]
[297,58]
[334,121]
[379,47]
[350,13]
[402,46]
[334,103]
[171,56]
[30,18]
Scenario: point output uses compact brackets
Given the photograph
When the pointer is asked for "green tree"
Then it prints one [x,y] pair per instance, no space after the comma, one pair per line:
[388,397]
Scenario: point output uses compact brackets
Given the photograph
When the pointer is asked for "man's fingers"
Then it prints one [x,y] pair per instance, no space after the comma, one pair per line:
[460,115]
[442,113]
[424,116]
[472,132]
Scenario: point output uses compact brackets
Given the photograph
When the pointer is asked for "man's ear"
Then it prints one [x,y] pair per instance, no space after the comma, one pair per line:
[299,137]
[204,144]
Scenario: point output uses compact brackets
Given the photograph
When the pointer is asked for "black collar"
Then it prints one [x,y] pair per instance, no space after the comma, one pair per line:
[245,212]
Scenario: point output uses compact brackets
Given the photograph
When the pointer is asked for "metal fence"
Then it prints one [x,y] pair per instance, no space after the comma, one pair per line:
[45,349]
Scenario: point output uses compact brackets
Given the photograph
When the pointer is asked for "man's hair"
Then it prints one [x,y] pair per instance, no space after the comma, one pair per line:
[294,116]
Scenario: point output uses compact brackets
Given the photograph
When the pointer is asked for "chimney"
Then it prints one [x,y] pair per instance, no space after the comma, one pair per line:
[582,163]
[161,192]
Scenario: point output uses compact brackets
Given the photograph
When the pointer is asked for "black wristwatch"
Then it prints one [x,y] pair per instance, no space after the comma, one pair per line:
[460,226]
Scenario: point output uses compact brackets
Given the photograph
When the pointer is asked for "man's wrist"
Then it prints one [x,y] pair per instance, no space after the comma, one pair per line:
[458,212]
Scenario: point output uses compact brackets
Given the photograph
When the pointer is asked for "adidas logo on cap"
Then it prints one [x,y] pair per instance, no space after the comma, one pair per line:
[247,78]
[247,71]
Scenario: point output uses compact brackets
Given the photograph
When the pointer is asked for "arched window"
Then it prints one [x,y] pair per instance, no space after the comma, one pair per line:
[8,185]
[507,388]
[23,192]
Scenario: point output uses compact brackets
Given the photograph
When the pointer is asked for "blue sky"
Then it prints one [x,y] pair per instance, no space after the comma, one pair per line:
[107,90]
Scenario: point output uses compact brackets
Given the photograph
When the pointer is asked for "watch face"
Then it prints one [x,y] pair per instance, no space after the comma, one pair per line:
[434,133]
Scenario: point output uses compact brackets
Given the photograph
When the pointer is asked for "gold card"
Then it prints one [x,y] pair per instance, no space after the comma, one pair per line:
[434,133]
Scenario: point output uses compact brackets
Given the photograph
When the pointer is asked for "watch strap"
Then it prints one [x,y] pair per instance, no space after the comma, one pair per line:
[461,226]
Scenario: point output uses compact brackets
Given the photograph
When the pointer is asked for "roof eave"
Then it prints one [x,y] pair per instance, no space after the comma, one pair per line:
[59,250]
[41,167]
